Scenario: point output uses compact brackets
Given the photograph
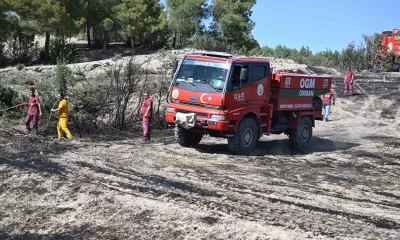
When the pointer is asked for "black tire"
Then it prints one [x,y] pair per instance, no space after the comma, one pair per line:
[396,64]
[300,138]
[187,138]
[245,139]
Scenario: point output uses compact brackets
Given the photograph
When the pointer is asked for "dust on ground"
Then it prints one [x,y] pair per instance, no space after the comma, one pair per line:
[109,186]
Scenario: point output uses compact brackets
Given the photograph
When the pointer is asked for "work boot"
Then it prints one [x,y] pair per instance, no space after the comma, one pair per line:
[143,141]
[60,140]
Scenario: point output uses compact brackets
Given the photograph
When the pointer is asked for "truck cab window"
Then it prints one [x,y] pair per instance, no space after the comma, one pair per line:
[259,72]
[235,79]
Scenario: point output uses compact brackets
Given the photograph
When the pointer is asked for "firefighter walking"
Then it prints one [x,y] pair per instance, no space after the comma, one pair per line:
[328,99]
[63,117]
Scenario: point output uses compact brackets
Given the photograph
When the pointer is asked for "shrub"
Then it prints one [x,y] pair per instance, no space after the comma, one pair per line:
[20,66]
[64,77]
[20,46]
[10,98]
[88,104]
[62,51]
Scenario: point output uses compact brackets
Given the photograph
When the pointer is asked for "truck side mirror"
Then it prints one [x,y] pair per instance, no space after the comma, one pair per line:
[174,67]
[244,74]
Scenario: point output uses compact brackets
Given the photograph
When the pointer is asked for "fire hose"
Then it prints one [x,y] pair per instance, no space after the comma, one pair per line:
[25,104]
[48,120]
[16,106]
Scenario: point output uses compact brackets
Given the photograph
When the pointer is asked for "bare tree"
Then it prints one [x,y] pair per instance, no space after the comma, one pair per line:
[125,80]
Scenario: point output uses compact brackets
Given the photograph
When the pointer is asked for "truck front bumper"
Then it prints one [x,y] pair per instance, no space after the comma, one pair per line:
[203,120]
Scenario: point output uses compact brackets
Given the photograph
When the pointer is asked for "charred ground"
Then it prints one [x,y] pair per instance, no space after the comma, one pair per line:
[108,186]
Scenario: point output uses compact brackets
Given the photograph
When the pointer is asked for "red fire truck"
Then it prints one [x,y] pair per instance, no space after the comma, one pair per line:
[388,52]
[241,99]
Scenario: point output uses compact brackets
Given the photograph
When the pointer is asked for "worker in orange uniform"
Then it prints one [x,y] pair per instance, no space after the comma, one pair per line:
[348,82]
[63,117]
[146,112]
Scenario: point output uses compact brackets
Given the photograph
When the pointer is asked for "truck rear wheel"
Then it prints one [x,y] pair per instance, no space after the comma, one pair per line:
[300,138]
[245,139]
[187,138]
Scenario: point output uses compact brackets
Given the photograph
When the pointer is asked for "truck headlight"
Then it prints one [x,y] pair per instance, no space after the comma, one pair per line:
[218,117]
[170,110]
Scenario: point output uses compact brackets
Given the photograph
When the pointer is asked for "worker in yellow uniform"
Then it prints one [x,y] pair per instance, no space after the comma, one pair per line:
[63,117]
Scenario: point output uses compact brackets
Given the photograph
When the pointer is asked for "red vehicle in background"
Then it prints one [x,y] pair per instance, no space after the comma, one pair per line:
[388,53]
[239,98]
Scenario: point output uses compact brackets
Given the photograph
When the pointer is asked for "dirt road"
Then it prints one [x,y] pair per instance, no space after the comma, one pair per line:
[111,187]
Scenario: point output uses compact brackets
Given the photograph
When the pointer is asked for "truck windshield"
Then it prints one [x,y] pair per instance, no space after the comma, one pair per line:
[202,76]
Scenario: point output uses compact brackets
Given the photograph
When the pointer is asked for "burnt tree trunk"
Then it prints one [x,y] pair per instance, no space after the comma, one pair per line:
[104,41]
[174,40]
[47,47]
[88,34]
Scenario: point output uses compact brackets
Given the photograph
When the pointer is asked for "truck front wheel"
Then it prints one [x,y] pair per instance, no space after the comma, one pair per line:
[245,139]
[187,138]
[300,138]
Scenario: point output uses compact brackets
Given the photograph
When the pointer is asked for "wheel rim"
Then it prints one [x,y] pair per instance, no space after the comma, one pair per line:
[304,133]
[247,137]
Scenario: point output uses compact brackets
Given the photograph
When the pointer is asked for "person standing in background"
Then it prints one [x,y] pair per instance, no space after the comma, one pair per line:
[34,112]
[146,112]
[348,82]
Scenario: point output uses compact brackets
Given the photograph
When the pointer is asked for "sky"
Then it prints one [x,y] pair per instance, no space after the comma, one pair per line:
[321,24]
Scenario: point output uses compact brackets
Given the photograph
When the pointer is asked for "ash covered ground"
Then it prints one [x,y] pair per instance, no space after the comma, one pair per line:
[347,186]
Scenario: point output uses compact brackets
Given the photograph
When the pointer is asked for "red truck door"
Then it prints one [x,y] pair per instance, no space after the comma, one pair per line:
[237,94]
[258,85]
[253,91]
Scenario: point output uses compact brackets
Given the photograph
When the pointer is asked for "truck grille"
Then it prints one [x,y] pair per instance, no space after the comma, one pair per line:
[197,113]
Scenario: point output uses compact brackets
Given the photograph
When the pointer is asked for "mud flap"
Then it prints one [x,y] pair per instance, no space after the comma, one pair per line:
[185,120]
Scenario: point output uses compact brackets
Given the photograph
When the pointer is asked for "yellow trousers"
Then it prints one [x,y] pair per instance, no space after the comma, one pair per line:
[62,127]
